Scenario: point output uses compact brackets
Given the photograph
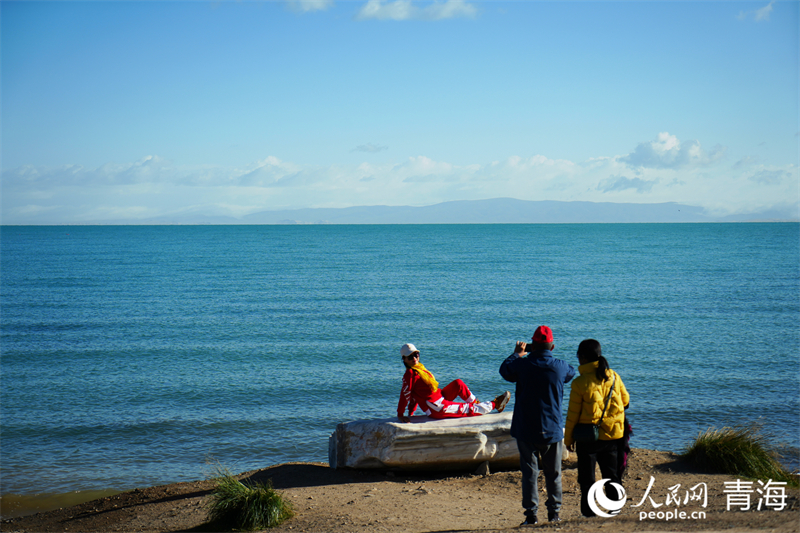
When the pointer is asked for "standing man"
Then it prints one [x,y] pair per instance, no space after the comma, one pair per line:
[421,389]
[536,423]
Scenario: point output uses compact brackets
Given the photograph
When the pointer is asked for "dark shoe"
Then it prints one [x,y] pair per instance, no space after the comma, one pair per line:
[530,520]
[553,517]
[501,401]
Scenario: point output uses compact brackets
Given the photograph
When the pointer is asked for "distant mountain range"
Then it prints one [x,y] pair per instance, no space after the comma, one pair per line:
[494,211]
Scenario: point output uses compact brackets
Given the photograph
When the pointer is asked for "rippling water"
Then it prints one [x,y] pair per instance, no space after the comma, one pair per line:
[135,355]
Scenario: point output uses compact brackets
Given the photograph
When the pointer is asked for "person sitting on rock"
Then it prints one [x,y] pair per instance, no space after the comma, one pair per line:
[421,389]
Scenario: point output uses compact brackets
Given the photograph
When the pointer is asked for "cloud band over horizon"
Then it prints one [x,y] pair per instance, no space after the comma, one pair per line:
[653,172]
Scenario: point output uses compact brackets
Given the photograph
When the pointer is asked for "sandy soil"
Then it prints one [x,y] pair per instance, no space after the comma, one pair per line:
[327,500]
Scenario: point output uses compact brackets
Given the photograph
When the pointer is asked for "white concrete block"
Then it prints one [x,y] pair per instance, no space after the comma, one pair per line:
[424,444]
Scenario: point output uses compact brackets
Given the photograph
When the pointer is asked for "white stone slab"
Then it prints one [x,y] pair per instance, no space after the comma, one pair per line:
[424,444]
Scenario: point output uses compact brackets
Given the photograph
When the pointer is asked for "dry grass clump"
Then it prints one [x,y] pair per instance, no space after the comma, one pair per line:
[246,507]
[741,451]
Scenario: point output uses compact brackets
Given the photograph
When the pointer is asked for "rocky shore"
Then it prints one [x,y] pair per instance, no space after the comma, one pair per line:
[327,500]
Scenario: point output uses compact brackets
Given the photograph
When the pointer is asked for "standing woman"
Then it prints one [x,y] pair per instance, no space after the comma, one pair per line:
[599,397]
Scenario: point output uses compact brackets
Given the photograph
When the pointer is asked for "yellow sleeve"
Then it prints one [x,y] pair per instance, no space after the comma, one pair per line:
[626,398]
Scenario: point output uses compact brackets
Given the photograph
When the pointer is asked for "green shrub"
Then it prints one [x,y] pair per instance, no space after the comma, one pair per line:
[741,451]
[246,507]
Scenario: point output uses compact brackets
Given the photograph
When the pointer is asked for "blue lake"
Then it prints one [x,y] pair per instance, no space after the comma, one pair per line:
[138,355]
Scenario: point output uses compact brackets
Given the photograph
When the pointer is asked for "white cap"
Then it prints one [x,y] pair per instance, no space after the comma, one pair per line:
[407,349]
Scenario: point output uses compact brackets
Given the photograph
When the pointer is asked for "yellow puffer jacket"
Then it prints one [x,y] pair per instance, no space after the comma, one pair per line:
[587,399]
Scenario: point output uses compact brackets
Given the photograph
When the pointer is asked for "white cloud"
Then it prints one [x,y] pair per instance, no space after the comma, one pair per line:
[758,15]
[376,9]
[450,9]
[270,172]
[769,176]
[519,164]
[621,183]
[670,153]
[149,168]
[306,6]
[35,210]
[426,165]
[406,10]
[764,12]
[115,212]
[370,148]
[745,161]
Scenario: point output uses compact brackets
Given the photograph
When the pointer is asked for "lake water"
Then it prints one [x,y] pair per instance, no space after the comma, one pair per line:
[138,355]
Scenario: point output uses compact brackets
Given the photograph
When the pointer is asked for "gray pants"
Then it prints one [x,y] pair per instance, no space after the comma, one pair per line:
[531,459]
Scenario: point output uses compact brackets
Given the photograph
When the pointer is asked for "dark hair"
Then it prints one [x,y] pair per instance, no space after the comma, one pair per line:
[536,346]
[591,351]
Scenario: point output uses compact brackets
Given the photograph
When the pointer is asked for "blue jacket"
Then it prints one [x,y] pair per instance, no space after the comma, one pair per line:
[540,380]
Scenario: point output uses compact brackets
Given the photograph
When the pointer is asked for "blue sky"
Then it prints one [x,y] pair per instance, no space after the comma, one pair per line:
[131,110]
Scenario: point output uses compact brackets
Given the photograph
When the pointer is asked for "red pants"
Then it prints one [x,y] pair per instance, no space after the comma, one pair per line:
[446,407]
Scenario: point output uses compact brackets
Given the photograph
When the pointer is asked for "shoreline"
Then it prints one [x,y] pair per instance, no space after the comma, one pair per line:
[15,505]
[362,501]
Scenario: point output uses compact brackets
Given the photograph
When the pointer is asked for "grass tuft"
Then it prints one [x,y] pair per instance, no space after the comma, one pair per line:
[246,507]
[741,451]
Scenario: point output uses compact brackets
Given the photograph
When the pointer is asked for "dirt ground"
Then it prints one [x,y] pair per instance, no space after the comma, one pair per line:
[327,500]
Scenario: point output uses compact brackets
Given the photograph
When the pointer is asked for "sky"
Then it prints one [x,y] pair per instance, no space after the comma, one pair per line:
[126,111]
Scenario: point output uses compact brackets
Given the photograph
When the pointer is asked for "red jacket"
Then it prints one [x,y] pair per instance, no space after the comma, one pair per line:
[415,393]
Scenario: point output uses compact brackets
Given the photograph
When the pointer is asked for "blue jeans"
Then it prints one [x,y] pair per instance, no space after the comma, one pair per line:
[548,458]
